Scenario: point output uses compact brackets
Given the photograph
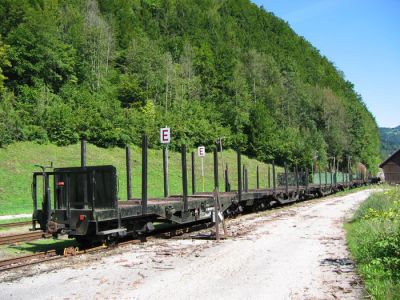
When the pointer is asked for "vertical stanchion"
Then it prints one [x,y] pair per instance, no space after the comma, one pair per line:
[269,177]
[286,180]
[83,153]
[319,175]
[246,180]
[258,178]
[128,173]
[216,183]
[222,156]
[239,175]
[273,176]
[193,174]
[227,184]
[84,176]
[184,179]
[326,178]
[144,175]
[307,179]
[165,170]
[297,179]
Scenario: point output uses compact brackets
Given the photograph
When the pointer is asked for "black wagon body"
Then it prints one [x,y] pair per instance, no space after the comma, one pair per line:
[82,202]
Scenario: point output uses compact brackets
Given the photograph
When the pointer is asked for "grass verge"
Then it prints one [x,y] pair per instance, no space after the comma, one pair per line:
[373,237]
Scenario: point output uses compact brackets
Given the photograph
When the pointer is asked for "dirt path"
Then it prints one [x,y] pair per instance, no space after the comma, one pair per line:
[297,252]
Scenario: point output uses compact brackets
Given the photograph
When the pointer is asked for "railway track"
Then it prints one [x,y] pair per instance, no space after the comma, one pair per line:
[15,224]
[21,237]
[41,257]
[26,260]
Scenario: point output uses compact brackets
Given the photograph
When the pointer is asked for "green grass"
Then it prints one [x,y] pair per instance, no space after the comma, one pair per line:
[17,164]
[374,240]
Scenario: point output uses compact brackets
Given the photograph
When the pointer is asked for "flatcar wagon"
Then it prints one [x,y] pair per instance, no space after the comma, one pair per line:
[82,202]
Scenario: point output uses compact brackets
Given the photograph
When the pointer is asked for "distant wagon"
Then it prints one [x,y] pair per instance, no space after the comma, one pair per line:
[391,168]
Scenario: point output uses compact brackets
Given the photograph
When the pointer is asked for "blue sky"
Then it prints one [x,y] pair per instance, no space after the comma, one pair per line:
[361,37]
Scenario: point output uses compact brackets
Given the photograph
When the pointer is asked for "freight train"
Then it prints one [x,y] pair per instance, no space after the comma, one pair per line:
[82,202]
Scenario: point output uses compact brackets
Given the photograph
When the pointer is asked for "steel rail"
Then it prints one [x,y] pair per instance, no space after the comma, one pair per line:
[21,237]
[15,224]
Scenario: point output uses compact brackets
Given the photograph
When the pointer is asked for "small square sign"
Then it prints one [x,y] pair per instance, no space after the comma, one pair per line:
[201,151]
[165,135]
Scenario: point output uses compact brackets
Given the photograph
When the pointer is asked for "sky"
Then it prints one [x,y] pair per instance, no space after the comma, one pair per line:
[361,38]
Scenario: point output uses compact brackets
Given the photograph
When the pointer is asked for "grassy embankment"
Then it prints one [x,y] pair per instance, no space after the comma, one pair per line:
[374,241]
[17,164]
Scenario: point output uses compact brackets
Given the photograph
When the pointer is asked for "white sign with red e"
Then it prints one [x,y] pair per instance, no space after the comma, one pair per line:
[165,135]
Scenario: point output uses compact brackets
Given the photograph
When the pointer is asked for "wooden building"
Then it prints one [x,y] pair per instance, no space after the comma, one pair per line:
[391,168]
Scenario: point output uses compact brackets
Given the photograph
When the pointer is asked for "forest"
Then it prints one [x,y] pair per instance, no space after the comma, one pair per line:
[110,71]
[390,141]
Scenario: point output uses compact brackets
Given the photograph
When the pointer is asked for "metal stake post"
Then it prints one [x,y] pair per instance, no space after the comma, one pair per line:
[216,182]
[246,180]
[258,178]
[269,177]
[144,174]
[83,165]
[222,154]
[239,170]
[83,153]
[128,173]
[227,184]
[319,176]
[273,176]
[193,174]
[184,180]
[307,179]
[286,180]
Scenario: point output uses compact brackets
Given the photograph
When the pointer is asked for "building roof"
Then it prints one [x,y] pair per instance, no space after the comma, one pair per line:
[389,158]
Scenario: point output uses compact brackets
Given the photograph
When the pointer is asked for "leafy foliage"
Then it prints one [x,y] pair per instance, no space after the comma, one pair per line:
[390,139]
[374,239]
[112,70]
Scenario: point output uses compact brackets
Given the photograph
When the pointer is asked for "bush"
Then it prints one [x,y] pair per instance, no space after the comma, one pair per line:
[35,134]
[374,240]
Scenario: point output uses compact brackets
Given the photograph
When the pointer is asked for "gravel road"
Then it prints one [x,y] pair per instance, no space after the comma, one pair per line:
[295,252]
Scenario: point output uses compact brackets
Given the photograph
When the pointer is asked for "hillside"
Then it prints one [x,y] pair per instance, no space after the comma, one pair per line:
[390,140]
[111,70]
[17,162]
